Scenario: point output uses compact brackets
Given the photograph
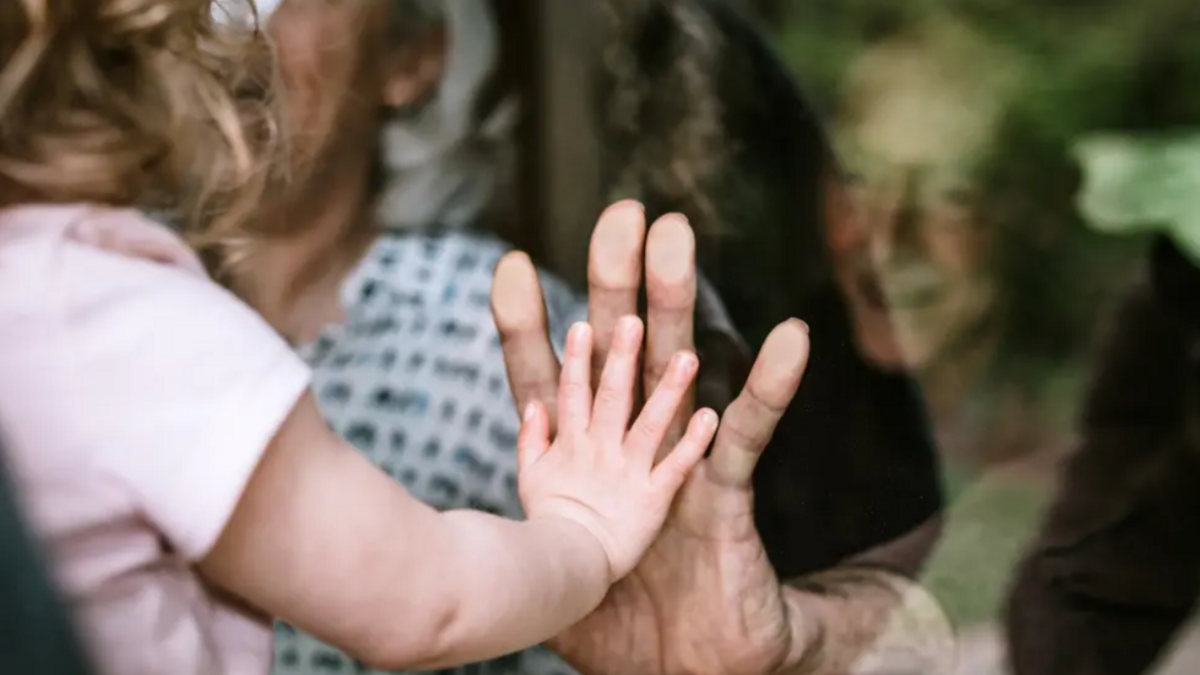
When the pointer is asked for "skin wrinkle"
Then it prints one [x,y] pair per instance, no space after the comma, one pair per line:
[674,153]
[883,624]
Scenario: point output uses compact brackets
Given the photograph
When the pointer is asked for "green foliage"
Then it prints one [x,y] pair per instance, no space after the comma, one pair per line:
[987,528]
[1100,65]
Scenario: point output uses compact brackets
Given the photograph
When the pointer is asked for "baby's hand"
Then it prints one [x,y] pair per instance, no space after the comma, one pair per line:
[599,472]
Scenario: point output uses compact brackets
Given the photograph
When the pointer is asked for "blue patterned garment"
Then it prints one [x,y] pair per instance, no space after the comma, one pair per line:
[415,379]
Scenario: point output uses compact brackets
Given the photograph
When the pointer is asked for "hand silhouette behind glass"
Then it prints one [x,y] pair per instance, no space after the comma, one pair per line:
[705,598]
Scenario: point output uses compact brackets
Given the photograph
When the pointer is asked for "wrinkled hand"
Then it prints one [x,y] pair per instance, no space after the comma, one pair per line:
[704,599]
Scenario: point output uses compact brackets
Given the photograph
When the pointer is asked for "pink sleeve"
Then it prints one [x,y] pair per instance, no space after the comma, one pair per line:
[178,387]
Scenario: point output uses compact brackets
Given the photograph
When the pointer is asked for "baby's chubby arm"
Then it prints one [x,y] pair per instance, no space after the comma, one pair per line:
[324,540]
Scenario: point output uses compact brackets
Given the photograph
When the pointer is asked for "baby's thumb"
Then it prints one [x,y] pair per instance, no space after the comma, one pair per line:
[534,439]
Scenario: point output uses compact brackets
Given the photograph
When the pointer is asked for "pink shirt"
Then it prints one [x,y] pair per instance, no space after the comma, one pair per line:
[135,399]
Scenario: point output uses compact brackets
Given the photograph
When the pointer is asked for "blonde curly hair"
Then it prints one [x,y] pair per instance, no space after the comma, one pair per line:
[149,103]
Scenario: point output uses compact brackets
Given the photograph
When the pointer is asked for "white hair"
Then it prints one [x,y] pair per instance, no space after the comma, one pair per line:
[441,164]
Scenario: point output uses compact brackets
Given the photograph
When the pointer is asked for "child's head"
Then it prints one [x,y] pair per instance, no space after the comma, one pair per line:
[149,103]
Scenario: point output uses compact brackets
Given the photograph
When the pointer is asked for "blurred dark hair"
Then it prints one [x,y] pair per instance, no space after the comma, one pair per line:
[701,116]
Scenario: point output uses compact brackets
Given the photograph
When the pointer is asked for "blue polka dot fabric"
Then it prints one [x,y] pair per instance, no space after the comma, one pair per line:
[415,379]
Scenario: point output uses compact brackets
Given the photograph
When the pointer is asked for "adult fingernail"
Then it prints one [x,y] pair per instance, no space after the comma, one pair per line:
[671,249]
[616,253]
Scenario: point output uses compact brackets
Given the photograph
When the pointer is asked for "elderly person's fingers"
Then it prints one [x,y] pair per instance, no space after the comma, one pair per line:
[750,420]
[520,314]
[614,273]
[670,306]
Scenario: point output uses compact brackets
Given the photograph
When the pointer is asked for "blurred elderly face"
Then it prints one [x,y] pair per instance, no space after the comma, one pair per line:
[340,72]
[913,145]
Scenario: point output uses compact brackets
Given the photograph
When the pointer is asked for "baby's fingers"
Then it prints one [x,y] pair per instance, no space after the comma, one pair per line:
[534,438]
[575,382]
[614,396]
[674,469]
[652,424]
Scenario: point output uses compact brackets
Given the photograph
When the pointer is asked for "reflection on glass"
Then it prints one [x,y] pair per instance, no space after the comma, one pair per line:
[979,137]
[918,120]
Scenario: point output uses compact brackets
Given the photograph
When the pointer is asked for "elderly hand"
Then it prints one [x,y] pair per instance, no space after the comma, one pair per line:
[705,598]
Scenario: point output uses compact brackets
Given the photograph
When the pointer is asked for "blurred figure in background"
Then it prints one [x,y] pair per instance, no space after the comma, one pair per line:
[922,249]
[920,125]
[961,239]
[1009,87]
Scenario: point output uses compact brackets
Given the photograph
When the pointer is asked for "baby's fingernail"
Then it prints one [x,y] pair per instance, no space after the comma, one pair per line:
[627,204]
[627,329]
[530,411]
[686,362]
[708,419]
[578,334]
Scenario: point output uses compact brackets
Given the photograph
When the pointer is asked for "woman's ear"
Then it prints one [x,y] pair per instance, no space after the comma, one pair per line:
[412,71]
